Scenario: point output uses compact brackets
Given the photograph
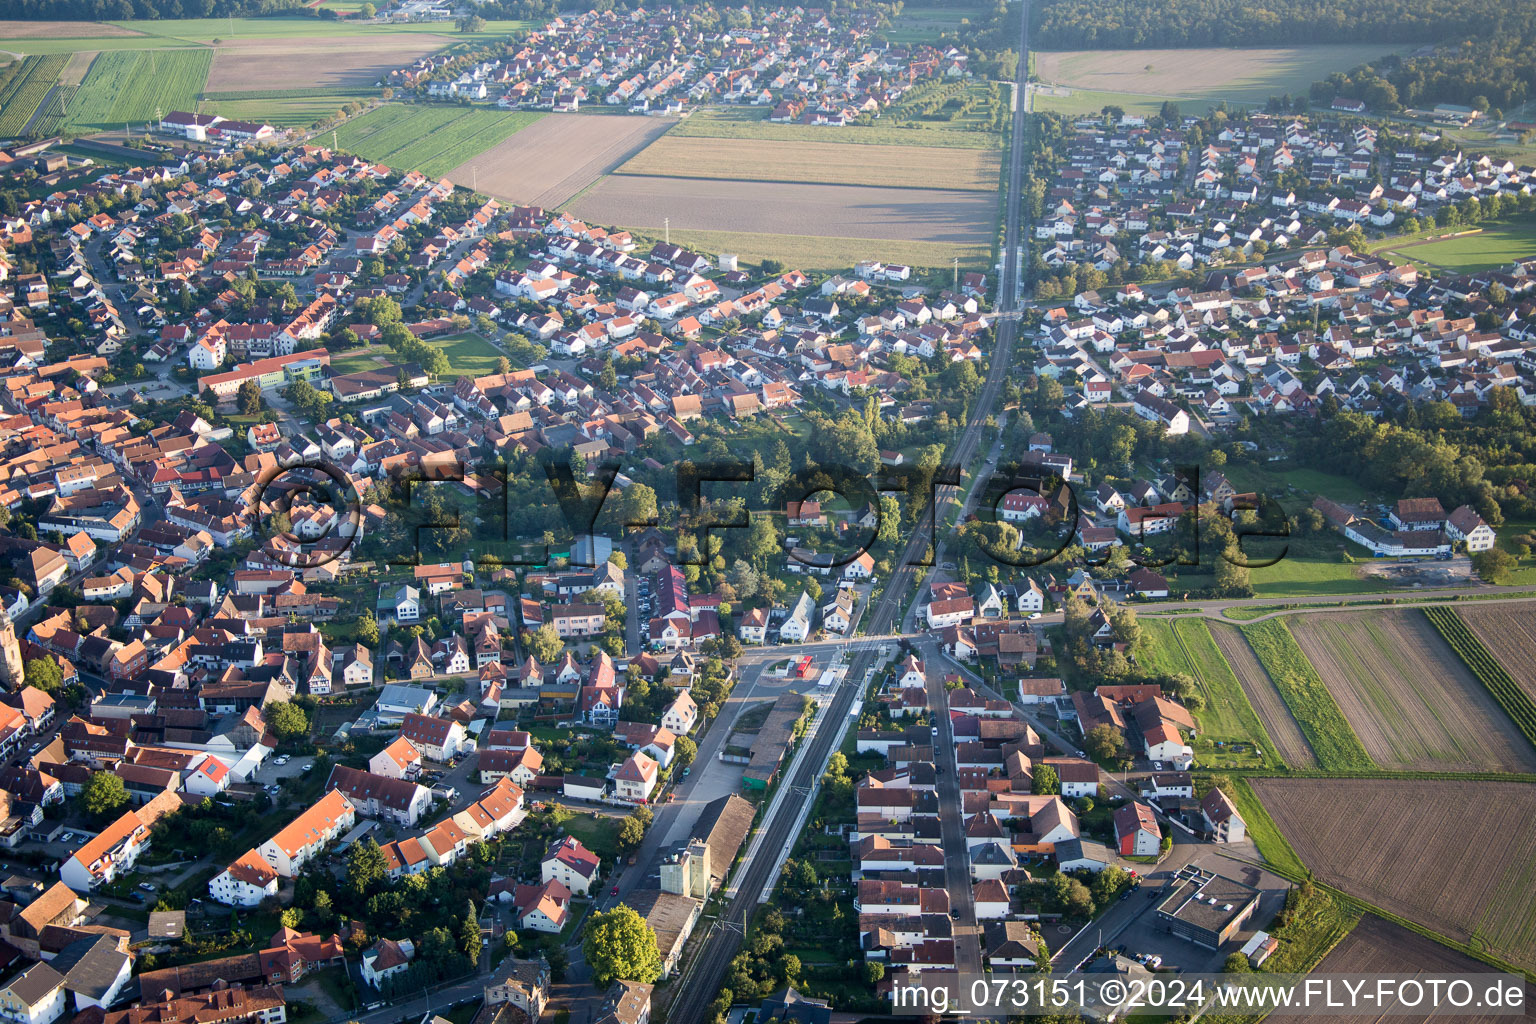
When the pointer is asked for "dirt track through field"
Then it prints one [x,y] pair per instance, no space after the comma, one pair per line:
[1407,695]
[325,63]
[79,64]
[1265,698]
[846,211]
[557,156]
[1457,857]
[1509,633]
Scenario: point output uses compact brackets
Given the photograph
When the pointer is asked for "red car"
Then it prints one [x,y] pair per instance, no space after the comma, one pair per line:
[614,891]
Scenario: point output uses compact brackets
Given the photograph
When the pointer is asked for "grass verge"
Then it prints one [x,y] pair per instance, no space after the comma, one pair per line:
[1332,738]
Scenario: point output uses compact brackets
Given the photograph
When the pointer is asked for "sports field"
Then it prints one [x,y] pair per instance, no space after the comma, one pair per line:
[827,163]
[1496,245]
[469,355]
[433,140]
[1239,76]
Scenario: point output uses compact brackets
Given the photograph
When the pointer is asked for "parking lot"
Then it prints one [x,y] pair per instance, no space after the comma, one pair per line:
[284,766]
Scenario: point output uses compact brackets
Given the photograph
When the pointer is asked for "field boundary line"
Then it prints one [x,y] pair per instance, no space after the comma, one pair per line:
[619,172]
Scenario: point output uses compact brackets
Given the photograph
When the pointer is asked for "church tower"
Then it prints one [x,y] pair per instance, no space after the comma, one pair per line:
[12,673]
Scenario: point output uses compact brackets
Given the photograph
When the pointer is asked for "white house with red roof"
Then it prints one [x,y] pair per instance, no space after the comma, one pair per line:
[635,780]
[245,883]
[542,908]
[680,715]
[572,865]
[209,778]
[307,835]
[399,760]
[438,739]
[1137,833]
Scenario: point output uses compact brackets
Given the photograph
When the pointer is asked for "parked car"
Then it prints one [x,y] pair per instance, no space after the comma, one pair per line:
[146,887]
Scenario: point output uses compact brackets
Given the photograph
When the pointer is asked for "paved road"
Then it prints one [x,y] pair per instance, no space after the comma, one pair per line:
[957,864]
[699,986]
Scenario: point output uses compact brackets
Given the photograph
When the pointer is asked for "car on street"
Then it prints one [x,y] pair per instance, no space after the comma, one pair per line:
[308,768]
[614,891]
[146,887]
[1081,754]
[1033,616]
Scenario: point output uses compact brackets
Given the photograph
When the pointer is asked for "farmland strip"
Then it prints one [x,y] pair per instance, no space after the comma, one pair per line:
[1316,712]
[1515,701]
[1260,690]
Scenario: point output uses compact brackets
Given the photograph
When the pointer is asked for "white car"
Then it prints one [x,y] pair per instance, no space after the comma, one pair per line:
[1033,616]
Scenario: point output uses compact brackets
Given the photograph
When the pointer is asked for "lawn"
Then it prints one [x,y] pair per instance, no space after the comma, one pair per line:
[1497,245]
[598,833]
[133,87]
[469,355]
[430,139]
[753,123]
[815,252]
[1049,100]
[1316,712]
[360,359]
[925,24]
[1185,645]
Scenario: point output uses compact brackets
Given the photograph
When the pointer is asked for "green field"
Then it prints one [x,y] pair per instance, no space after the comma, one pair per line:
[25,91]
[1087,101]
[469,355]
[1316,712]
[753,123]
[135,87]
[433,140]
[1185,645]
[924,24]
[289,112]
[1497,245]
[199,32]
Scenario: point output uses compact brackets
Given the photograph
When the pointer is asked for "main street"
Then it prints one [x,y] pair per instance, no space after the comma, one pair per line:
[706,975]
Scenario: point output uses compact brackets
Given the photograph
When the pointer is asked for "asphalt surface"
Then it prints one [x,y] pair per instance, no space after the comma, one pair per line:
[703,980]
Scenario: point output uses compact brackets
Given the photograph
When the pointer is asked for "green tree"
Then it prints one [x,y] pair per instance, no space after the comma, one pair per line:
[619,945]
[1104,743]
[1494,565]
[44,673]
[1046,781]
[544,643]
[1236,963]
[103,794]
[685,751]
[469,935]
[250,398]
[287,720]
[367,12]
[366,868]
[367,630]
[631,834]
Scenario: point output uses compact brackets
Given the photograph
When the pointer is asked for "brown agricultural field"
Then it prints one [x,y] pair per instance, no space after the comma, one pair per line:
[1509,633]
[1377,946]
[848,211]
[1265,698]
[1409,698]
[557,156]
[825,163]
[62,30]
[1245,75]
[1458,857]
[241,65]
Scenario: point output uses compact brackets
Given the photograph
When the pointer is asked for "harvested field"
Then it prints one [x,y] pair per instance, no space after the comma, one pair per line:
[1266,700]
[1241,75]
[1378,946]
[826,163]
[259,64]
[1185,645]
[61,30]
[1328,732]
[824,252]
[1509,633]
[850,211]
[79,64]
[555,158]
[1409,698]
[1456,857]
